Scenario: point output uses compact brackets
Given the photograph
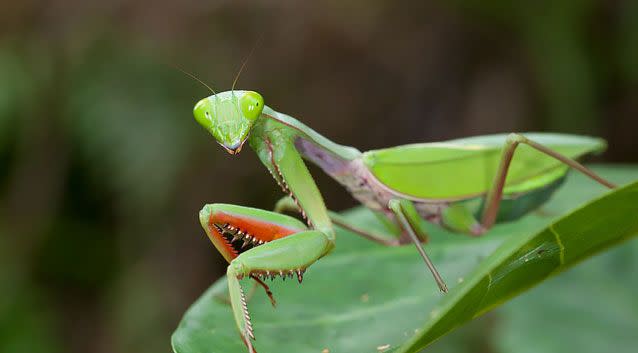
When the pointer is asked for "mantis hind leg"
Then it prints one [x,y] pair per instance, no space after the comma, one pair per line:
[495,194]
[410,220]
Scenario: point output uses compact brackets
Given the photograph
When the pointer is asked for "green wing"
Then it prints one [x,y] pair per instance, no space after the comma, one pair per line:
[465,167]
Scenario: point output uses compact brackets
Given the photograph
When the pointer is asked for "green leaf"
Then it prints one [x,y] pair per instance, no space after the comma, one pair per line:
[364,297]
[593,309]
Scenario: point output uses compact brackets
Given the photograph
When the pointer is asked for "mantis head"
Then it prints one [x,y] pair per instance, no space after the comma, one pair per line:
[229,116]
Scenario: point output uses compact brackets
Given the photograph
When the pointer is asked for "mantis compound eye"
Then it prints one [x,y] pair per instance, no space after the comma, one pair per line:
[203,113]
[251,105]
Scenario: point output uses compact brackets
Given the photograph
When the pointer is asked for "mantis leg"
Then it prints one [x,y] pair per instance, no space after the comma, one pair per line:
[289,256]
[235,229]
[220,293]
[383,239]
[495,194]
[409,219]
[287,204]
[259,244]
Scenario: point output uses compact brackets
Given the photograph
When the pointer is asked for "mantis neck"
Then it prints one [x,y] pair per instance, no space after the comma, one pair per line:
[329,156]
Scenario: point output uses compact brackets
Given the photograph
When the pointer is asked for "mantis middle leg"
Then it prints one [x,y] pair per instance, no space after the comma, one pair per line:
[406,217]
[409,219]
[287,204]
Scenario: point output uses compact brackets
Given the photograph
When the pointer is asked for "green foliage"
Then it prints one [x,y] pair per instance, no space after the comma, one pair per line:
[91,150]
[589,309]
[130,133]
[26,320]
[364,296]
[521,262]
[13,88]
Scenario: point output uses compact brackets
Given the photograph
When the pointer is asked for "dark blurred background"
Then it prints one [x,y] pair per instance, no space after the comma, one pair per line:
[103,169]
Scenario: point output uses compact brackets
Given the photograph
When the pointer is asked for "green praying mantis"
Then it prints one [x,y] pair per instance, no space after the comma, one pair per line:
[464,185]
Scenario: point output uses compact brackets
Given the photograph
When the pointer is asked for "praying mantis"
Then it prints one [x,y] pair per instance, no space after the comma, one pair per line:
[464,185]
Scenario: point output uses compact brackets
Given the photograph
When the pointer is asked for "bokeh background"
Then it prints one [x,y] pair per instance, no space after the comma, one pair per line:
[103,170]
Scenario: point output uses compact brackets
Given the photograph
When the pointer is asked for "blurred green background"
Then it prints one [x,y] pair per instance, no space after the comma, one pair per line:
[103,170]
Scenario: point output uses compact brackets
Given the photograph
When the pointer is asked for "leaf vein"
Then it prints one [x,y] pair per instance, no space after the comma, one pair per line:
[560,244]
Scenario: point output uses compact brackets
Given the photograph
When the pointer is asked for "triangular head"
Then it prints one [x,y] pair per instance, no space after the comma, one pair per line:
[229,116]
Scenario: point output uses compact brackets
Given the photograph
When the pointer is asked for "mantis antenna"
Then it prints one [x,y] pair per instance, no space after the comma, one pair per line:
[195,78]
[246,61]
